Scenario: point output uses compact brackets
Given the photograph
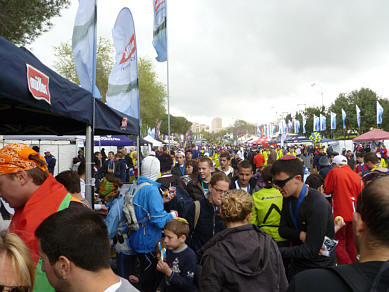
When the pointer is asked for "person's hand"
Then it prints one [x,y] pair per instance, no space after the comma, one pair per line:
[164,268]
[133,279]
[303,236]
[103,207]
[166,199]
[339,223]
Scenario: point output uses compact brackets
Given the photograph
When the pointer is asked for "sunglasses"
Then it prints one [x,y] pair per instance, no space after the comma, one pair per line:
[14,288]
[282,183]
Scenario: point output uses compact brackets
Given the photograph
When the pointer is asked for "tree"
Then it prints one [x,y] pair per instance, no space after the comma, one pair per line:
[240,128]
[152,93]
[179,125]
[22,21]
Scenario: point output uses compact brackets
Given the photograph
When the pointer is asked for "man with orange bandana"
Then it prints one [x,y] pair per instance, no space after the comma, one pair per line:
[27,186]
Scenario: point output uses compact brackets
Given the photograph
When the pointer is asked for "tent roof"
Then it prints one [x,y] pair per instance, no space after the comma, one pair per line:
[373,135]
[153,141]
[70,107]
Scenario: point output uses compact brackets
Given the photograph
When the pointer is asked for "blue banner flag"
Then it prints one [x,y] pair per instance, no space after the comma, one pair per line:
[333,121]
[304,123]
[123,90]
[160,29]
[358,115]
[296,126]
[84,45]
[316,123]
[344,119]
[323,122]
[290,126]
[380,111]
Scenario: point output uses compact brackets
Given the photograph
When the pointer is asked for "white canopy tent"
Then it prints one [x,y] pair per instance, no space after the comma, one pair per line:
[153,141]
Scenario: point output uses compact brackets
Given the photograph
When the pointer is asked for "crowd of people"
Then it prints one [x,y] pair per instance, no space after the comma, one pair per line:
[218,218]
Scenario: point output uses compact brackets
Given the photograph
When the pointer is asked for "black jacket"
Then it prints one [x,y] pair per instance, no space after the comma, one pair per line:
[252,183]
[242,258]
[177,172]
[208,225]
[195,189]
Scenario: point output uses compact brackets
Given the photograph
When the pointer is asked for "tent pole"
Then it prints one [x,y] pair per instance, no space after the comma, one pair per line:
[88,164]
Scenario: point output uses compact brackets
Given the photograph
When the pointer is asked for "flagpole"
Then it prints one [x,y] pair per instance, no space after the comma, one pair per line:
[167,78]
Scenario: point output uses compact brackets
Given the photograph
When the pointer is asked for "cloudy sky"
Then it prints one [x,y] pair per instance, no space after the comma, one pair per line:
[253,59]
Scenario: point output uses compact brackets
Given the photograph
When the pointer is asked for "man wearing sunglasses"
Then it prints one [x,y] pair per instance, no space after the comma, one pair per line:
[306,218]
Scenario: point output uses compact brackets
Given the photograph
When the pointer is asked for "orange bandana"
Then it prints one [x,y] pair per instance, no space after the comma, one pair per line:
[15,157]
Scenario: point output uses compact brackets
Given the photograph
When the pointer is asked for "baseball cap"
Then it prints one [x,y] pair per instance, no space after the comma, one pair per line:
[15,157]
[46,150]
[340,159]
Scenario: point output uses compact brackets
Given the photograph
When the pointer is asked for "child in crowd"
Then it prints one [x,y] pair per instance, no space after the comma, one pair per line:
[180,262]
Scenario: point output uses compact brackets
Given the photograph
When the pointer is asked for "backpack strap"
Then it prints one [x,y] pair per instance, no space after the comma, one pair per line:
[197,213]
[353,277]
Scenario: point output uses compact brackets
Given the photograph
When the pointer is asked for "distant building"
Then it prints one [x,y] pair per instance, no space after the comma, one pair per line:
[197,128]
[216,125]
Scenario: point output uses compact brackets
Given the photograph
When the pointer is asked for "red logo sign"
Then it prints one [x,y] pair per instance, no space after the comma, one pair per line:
[124,124]
[38,84]
[129,50]
[157,4]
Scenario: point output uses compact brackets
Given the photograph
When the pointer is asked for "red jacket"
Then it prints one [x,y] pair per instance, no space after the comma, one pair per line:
[259,160]
[345,186]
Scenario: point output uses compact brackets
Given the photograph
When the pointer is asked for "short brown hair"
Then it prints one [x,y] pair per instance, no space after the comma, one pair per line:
[178,227]
[236,205]
[219,176]
[207,160]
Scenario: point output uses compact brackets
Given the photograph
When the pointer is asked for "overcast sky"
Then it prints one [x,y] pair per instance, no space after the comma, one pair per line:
[253,59]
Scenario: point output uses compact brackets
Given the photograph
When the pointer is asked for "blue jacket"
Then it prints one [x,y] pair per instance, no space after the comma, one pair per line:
[151,216]
[116,221]
[50,163]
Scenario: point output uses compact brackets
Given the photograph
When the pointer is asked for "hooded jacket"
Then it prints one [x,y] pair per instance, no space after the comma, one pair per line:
[242,258]
[252,185]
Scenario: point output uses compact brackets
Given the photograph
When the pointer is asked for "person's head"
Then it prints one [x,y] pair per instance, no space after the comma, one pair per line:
[371,160]
[22,171]
[288,174]
[176,232]
[218,186]
[65,255]
[150,167]
[35,148]
[316,182]
[321,150]
[123,150]
[324,161]
[245,173]
[70,180]
[236,206]
[111,155]
[267,177]
[166,163]
[98,155]
[205,166]
[81,169]
[109,188]
[16,265]
[349,153]
[47,152]
[339,161]
[224,160]
[360,157]
[188,154]
[81,152]
[180,156]
[191,167]
[371,219]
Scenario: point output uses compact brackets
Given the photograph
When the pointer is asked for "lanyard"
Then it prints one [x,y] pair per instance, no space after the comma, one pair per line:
[182,169]
[294,215]
[205,190]
[239,187]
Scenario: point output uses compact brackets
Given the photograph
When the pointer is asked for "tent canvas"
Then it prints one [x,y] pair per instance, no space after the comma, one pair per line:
[153,141]
[114,140]
[373,135]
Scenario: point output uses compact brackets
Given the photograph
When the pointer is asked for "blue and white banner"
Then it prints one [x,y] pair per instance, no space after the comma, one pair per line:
[380,111]
[344,119]
[358,115]
[304,123]
[123,90]
[84,45]
[333,121]
[258,131]
[290,126]
[316,123]
[296,126]
[323,122]
[160,29]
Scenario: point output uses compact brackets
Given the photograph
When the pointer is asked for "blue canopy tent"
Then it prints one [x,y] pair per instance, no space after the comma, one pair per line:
[297,139]
[36,100]
[114,140]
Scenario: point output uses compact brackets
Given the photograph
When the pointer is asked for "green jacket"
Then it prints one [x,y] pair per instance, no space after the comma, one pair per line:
[267,211]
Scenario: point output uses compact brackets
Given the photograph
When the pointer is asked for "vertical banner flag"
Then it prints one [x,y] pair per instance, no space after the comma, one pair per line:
[84,45]
[261,131]
[323,122]
[333,121]
[159,31]
[290,126]
[344,119]
[258,131]
[304,123]
[280,127]
[380,111]
[296,126]
[358,115]
[123,91]
[316,123]
[265,130]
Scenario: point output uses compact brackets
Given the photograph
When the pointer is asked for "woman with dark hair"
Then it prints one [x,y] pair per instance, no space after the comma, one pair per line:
[241,257]
[267,208]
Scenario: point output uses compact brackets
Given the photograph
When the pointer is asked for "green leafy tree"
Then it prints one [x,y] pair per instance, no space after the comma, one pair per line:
[152,93]
[22,21]
[179,125]
[241,127]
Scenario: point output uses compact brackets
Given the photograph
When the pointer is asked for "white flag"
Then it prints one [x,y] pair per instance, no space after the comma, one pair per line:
[123,90]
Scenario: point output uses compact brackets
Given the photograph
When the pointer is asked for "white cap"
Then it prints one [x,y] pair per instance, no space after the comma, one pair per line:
[180,153]
[340,159]
[151,167]
[152,153]
[46,150]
